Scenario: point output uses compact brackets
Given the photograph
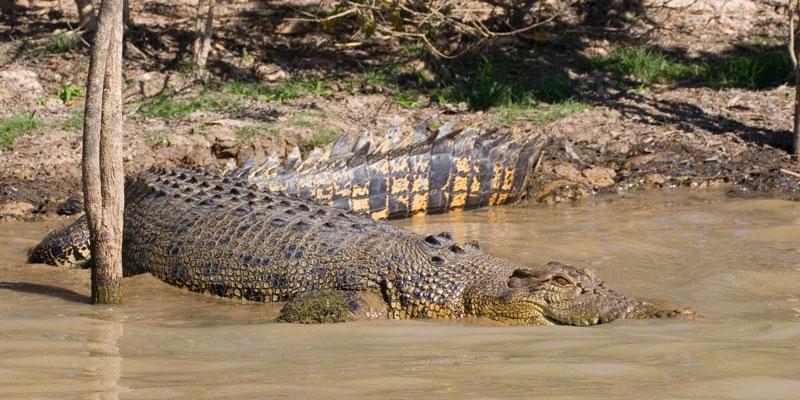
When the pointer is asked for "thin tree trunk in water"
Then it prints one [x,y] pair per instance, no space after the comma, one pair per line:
[203,32]
[88,20]
[103,176]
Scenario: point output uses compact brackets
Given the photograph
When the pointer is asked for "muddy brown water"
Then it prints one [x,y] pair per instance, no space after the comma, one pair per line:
[735,260]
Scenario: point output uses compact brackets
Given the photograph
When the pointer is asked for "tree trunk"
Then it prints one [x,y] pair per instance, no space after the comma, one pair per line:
[88,20]
[791,12]
[203,32]
[795,147]
[126,14]
[103,175]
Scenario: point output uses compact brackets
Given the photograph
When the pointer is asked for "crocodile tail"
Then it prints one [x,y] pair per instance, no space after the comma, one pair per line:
[427,172]
[68,246]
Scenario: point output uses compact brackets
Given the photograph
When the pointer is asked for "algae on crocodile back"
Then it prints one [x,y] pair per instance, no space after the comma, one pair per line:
[317,308]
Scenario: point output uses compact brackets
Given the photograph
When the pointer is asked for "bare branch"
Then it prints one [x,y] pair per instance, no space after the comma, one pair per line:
[416,20]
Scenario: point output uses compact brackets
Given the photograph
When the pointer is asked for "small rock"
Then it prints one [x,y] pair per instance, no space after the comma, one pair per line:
[600,177]
[224,142]
[251,151]
[618,148]
[569,172]
[270,73]
[147,84]
[560,190]
[290,27]
[637,161]
[17,208]
[655,179]
[19,85]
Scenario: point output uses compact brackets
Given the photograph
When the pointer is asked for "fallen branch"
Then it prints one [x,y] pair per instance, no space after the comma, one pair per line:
[792,173]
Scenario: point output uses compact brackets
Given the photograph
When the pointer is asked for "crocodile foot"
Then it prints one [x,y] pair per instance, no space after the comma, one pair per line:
[328,306]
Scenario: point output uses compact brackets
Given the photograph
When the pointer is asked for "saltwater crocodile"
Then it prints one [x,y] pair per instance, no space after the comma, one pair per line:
[227,237]
[426,172]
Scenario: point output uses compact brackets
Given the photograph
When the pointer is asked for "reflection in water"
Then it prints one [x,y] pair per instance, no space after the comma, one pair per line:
[103,348]
[737,261]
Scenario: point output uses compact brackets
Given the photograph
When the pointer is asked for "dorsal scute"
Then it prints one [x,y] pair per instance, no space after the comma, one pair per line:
[293,159]
[446,131]
[340,147]
[363,143]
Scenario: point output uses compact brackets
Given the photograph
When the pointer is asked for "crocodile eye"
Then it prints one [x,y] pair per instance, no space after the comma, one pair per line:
[560,280]
[437,260]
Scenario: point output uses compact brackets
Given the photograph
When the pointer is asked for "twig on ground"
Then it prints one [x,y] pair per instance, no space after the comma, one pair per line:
[792,173]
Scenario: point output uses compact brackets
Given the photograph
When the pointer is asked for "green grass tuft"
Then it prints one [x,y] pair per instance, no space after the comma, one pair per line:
[249,132]
[499,82]
[301,123]
[540,113]
[553,89]
[751,69]
[323,138]
[66,93]
[408,100]
[490,87]
[61,42]
[280,93]
[560,110]
[156,138]
[15,126]
[74,119]
[168,107]
[645,66]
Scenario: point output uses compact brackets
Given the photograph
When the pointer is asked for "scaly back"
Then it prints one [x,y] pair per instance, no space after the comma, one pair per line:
[223,236]
[425,173]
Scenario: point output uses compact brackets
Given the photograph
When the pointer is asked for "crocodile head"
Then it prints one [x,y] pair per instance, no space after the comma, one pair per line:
[562,294]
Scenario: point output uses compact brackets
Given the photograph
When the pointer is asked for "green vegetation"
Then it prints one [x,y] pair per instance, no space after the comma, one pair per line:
[752,69]
[248,132]
[490,81]
[197,128]
[380,77]
[15,126]
[323,138]
[301,123]
[644,65]
[316,308]
[747,68]
[279,93]
[540,113]
[408,101]
[490,87]
[557,111]
[74,119]
[167,106]
[66,93]
[156,138]
[61,42]
[763,41]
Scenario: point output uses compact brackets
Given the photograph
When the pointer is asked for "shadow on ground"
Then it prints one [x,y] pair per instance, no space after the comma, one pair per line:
[45,290]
